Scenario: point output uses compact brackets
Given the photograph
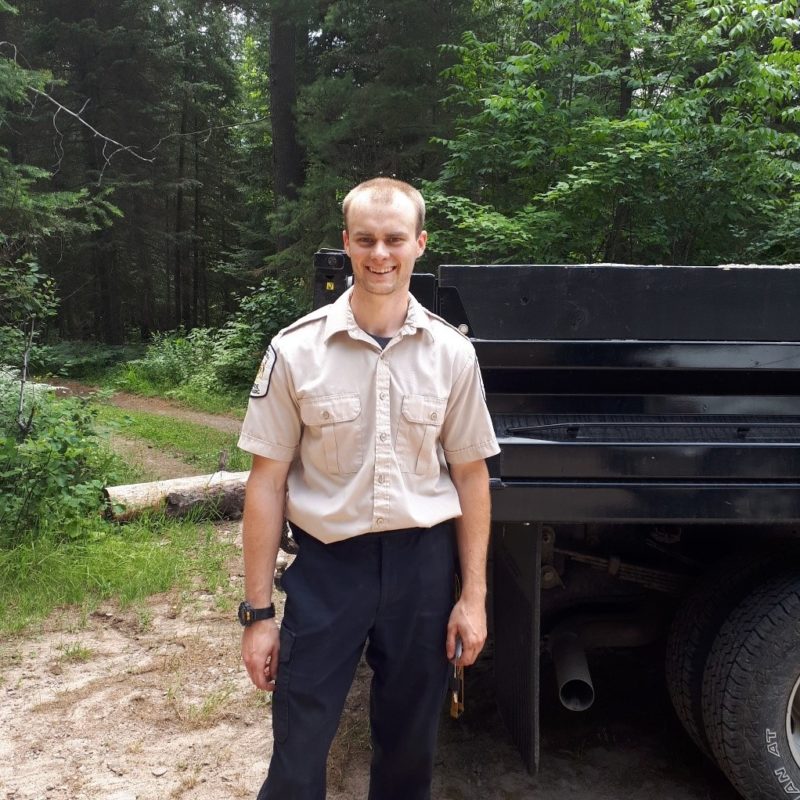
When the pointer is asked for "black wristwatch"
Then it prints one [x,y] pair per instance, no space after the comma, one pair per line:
[248,615]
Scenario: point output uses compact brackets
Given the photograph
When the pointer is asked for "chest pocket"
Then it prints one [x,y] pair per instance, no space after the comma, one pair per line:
[333,432]
[421,420]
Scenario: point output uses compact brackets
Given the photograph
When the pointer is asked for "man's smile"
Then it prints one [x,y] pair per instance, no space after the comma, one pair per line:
[380,271]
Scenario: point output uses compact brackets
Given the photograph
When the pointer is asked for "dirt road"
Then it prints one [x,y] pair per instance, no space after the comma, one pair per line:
[150,703]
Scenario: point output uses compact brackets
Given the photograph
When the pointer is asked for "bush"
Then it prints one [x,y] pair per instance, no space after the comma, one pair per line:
[208,363]
[243,340]
[81,360]
[52,475]
[170,360]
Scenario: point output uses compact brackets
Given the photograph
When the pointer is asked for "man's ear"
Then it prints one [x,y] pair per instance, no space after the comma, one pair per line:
[346,241]
[422,240]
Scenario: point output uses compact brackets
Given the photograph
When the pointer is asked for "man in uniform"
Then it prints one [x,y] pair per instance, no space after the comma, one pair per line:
[369,432]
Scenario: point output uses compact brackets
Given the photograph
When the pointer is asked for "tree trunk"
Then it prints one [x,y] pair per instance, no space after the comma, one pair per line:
[220,494]
[180,317]
[196,234]
[287,156]
[138,244]
[617,243]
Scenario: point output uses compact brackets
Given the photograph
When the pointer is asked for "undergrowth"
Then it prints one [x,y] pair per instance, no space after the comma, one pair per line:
[53,467]
[90,362]
[213,368]
[56,548]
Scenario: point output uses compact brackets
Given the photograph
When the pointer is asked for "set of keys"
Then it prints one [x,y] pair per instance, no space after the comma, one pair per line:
[457,684]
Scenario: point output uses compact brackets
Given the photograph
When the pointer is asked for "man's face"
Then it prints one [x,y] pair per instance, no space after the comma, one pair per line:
[382,242]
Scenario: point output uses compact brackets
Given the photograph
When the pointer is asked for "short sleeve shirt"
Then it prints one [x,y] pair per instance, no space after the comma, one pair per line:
[369,431]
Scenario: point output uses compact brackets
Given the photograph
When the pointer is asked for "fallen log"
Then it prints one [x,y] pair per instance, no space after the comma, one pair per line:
[220,495]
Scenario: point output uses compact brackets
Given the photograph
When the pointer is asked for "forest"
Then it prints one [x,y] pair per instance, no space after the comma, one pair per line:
[168,168]
[160,160]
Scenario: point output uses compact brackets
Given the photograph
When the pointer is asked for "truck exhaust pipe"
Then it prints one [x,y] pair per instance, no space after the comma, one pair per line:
[571,638]
[575,688]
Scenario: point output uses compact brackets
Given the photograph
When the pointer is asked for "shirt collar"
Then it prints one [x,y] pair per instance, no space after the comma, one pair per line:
[340,317]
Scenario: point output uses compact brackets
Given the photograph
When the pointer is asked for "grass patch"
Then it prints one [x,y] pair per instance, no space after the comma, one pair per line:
[128,563]
[127,379]
[195,444]
[213,708]
[74,653]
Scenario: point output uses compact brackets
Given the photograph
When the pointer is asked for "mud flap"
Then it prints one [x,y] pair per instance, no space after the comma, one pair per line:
[516,586]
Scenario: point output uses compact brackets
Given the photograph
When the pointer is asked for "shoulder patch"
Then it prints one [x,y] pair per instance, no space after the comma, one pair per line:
[264,376]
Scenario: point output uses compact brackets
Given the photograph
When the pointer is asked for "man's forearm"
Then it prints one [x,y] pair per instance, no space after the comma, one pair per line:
[468,617]
[472,528]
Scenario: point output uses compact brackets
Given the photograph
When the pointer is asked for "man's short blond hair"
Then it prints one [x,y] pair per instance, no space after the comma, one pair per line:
[382,191]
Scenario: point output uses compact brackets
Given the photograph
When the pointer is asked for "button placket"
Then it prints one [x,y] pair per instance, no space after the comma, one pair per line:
[383,446]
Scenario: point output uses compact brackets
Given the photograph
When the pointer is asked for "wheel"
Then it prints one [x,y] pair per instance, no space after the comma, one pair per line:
[751,692]
[694,628]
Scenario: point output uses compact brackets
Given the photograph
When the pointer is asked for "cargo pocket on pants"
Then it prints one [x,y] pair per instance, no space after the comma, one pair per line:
[280,700]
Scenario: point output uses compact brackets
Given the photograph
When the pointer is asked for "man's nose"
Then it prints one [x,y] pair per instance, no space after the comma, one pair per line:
[380,250]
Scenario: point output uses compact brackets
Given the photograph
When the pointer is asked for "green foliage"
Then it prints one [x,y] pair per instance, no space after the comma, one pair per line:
[623,131]
[51,477]
[88,361]
[32,212]
[368,103]
[243,339]
[26,293]
[206,362]
[135,166]
[27,301]
[171,359]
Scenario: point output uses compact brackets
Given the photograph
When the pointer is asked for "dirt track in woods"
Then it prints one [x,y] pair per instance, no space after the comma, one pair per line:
[150,703]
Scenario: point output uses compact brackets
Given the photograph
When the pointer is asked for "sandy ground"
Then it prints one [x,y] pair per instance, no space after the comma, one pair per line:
[150,703]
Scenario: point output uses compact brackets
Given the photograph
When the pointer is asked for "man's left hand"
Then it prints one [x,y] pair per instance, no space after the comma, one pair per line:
[467,621]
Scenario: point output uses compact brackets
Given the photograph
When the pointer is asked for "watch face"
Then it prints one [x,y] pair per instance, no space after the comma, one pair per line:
[245,613]
[248,615]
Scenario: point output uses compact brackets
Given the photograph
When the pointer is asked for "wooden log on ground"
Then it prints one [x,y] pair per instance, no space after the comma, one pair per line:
[220,495]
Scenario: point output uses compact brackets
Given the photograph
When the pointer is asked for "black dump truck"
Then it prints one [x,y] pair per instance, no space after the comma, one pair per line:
[648,488]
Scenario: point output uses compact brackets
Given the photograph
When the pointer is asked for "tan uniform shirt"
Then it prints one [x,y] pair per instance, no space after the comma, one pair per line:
[368,431]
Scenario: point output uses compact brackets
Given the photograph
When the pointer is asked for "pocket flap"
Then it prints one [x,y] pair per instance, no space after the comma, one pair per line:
[421,409]
[327,410]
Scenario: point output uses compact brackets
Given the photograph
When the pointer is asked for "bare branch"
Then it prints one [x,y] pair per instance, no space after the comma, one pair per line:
[208,131]
[24,427]
[107,140]
[111,147]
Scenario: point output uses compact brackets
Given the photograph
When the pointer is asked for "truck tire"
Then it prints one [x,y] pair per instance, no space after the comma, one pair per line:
[694,628]
[751,692]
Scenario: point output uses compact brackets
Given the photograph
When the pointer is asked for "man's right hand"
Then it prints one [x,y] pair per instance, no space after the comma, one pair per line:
[260,649]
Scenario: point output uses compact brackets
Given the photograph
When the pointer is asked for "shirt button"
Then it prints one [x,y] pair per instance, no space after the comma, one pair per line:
[380,479]
[383,395]
[434,416]
[379,521]
[326,415]
[382,437]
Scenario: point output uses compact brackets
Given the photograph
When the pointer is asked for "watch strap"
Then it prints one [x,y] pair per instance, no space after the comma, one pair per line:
[248,615]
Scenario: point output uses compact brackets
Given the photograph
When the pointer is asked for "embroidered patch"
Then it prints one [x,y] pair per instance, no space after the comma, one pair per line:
[480,379]
[261,385]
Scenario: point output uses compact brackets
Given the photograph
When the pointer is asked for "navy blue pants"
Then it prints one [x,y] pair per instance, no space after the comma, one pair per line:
[393,592]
